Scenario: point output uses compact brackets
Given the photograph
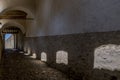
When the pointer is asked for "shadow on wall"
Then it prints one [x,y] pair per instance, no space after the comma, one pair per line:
[107,62]
[78,55]
[103,74]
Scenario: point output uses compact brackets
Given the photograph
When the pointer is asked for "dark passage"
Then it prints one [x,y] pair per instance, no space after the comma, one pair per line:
[16,66]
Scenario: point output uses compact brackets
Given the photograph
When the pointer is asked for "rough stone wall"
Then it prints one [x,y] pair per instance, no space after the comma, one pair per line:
[80,49]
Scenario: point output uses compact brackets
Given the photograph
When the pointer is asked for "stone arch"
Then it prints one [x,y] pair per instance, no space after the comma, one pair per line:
[15,24]
[29,13]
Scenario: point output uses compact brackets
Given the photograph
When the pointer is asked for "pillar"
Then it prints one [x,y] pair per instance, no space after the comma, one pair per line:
[1,48]
[3,41]
[14,41]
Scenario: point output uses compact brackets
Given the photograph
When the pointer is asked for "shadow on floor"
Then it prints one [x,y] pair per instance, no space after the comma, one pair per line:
[17,66]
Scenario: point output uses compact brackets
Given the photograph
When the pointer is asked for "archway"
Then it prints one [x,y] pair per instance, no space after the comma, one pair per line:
[29,13]
[16,40]
[9,41]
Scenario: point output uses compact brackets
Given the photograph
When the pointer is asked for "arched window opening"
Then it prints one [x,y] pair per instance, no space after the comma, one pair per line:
[28,52]
[34,56]
[44,57]
[62,57]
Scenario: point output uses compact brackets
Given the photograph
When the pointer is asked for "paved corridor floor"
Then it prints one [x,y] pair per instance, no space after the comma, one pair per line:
[16,66]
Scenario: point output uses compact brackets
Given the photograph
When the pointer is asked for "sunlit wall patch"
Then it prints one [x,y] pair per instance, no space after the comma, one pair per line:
[34,56]
[62,57]
[107,57]
[28,51]
[44,57]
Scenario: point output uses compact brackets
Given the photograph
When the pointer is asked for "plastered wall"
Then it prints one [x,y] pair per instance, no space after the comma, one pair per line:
[59,17]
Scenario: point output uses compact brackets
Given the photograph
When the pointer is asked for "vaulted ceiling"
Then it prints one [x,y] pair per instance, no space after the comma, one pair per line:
[11,29]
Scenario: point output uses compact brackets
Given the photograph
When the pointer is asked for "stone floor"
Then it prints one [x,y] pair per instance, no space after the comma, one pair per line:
[16,66]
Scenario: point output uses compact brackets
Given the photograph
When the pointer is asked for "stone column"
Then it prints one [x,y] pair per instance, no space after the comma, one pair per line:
[15,43]
[3,40]
[1,48]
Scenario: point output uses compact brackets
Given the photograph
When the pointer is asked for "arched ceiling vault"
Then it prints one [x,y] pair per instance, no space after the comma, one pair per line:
[13,24]
[18,10]
[14,14]
[11,29]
